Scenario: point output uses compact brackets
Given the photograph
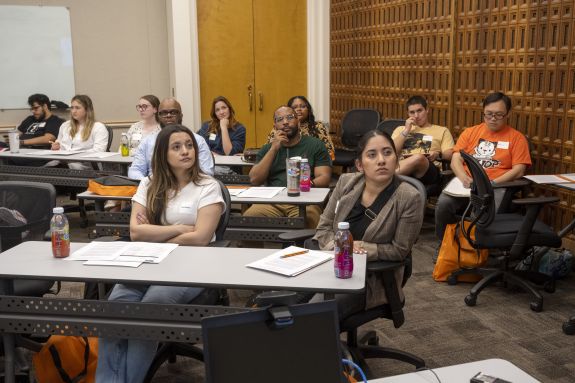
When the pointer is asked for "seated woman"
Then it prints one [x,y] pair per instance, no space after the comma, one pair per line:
[308,126]
[82,131]
[177,204]
[225,136]
[384,214]
[149,124]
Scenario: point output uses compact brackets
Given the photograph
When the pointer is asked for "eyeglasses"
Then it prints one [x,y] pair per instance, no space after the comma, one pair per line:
[288,117]
[141,107]
[169,112]
[497,116]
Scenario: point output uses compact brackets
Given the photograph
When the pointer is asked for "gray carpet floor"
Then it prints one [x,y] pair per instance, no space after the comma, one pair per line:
[441,329]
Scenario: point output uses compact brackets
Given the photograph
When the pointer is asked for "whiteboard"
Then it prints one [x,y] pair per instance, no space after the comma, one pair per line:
[35,54]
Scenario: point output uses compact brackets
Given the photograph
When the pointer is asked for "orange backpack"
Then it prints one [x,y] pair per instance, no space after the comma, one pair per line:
[117,186]
[457,253]
[67,359]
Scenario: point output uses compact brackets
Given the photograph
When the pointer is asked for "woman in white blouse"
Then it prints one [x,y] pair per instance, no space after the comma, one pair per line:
[149,123]
[81,131]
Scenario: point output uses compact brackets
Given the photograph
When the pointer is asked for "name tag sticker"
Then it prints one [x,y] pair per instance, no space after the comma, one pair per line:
[503,145]
[427,138]
[212,137]
[186,209]
[42,124]
[136,137]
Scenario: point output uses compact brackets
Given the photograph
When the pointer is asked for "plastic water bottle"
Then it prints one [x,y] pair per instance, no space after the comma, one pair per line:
[125,145]
[305,175]
[343,260]
[60,231]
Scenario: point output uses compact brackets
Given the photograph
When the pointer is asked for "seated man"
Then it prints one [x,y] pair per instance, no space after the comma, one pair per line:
[421,144]
[270,166]
[169,113]
[42,126]
[501,150]
[39,129]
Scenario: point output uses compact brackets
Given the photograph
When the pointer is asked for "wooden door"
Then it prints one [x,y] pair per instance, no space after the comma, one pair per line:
[225,42]
[254,53]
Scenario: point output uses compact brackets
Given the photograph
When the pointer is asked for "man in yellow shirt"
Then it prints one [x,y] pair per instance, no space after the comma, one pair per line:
[421,143]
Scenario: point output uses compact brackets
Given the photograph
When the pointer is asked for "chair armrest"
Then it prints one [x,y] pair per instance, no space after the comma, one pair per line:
[220,243]
[447,173]
[511,184]
[297,235]
[535,200]
[382,266]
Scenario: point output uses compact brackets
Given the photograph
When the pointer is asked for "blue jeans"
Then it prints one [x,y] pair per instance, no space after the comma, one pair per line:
[128,360]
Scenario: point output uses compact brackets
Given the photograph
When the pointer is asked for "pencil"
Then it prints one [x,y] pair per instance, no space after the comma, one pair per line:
[293,254]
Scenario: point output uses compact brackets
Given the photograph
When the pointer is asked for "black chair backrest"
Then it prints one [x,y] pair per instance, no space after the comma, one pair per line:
[110,137]
[388,126]
[225,217]
[35,201]
[356,123]
[481,208]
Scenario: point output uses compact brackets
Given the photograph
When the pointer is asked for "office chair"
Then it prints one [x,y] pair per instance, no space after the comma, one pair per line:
[35,201]
[388,126]
[354,125]
[511,233]
[169,351]
[367,346]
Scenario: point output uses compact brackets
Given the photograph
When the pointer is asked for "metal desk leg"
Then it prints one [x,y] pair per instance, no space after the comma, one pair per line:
[6,288]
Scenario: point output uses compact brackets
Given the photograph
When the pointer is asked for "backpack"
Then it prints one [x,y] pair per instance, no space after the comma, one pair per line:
[457,253]
[67,359]
[117,186]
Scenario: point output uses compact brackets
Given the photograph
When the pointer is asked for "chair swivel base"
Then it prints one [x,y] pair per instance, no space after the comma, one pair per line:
[368,348]
[569,326]
[507,277]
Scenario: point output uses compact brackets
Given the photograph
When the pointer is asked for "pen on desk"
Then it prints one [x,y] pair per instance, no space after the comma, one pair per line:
[294,254]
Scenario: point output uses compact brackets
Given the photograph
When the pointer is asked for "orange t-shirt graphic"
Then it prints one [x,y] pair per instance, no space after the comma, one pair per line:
[497,152]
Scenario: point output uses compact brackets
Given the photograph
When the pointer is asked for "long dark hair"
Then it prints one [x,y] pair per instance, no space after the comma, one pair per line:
[215,123]
[310,117]
[163,182]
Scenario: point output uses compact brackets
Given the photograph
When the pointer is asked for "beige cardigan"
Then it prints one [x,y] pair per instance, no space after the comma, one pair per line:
[389,237]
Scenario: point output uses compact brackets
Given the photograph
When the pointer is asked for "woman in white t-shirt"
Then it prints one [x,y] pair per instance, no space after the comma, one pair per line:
[149,124]
[81,131]
[177,204]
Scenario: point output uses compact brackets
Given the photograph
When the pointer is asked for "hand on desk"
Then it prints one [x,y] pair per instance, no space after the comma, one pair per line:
[358,247]
[55,145]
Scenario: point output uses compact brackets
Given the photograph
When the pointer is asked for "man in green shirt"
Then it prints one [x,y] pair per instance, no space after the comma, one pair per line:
[270,166]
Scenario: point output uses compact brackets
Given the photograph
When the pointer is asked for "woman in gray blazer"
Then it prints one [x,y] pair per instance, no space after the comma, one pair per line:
[384,213]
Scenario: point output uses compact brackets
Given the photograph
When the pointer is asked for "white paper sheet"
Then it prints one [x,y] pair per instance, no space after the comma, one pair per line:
[99,154]
[455,188]
[112,263]
[236,191]
[57,152]
[260,192]
[291,266]
[551,178]
[117,252]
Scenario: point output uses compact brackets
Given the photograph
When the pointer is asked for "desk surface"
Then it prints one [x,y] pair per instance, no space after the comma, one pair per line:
[231,161]
[192,266]
[316,196]
[498,368]
[29,153]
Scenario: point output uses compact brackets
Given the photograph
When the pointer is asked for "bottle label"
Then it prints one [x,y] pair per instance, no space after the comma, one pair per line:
[343,261]
[60,243]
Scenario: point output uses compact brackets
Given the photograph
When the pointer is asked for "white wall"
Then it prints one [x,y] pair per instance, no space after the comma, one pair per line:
[120,50]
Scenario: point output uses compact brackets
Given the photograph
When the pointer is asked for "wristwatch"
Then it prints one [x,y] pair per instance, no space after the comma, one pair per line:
[404,134]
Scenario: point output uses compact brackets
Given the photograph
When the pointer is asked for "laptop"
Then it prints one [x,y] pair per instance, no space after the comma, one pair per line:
[253,347]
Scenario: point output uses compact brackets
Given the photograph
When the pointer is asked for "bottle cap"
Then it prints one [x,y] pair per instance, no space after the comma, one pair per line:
[343,226]
[58,210]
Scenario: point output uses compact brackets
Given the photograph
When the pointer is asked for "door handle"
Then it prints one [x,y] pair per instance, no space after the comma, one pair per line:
[261,107]
[250,97]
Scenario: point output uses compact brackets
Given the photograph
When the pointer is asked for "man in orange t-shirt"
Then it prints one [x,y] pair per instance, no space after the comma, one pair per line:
[501,150]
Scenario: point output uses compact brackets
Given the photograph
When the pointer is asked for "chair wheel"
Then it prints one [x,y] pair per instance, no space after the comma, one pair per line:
[373,341]
[470,300]
[536,306]
[549,287]
[452,280]
[569,328]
